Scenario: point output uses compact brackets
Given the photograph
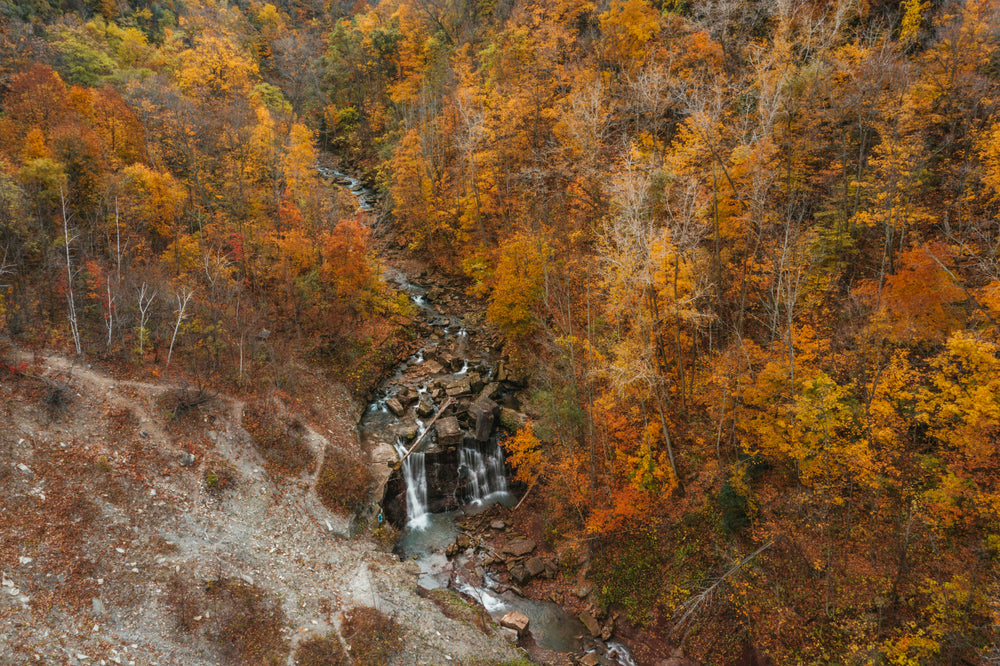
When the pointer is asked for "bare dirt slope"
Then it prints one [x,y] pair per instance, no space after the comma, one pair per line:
[107,525]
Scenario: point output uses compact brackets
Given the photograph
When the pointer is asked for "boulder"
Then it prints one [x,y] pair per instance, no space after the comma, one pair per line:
[583,590]
[589,659]
[407,430]
[433,367]
[591,623]
[483,413]
[516,621]
[425,408]
[460,386]
[519,574]
[475,381]
[449,432]
[490,391]
[463,540]
[519,547]
[407,396]
[535,566]
[498,525]
[511,420]
[395,406]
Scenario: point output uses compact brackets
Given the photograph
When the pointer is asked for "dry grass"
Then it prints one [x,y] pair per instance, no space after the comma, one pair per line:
[344,481]
[373,636]
[281,441]
[321,651]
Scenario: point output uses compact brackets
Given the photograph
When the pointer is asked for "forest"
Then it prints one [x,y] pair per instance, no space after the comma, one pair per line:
[745,249]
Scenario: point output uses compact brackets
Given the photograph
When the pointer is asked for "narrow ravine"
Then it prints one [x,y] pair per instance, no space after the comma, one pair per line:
[443,411]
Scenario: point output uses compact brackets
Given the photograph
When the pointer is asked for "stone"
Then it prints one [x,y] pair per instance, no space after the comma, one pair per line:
[551,569]
[425,408]
[498,525]
[433,367]
[483,413]
[458,387]
[589,659]
[475,381]
[678,661]
[511,420]
[583,590]
[516,621]
[535,566]
[449,432]
[509,634]
[608,630]
[463,541]
[407,396]
[407,430]
[591,624]
[490,391]
[452,550]
[98,606]
[519,547]
[519,574]
[395,406]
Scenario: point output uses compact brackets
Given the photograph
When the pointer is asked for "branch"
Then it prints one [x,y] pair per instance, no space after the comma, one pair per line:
[426,430]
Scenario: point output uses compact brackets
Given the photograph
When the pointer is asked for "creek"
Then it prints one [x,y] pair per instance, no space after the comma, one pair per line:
[443,411]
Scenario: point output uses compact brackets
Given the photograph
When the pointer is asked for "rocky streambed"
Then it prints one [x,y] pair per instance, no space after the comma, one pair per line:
[437,423]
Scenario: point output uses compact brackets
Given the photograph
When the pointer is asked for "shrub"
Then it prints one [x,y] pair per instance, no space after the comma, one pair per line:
[321,651]
[177,403]
[247,623]
[344,481]
[220,475]
[280,441]
[373,636]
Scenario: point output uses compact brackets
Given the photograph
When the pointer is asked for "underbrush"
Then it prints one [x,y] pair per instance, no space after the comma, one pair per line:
[454,607]
[220,474]
[241,620]
[321,651]
[344,481]
[278,439]
[374,637]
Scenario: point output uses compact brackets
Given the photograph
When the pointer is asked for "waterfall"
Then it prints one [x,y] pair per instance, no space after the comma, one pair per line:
[415,476]
[482,465]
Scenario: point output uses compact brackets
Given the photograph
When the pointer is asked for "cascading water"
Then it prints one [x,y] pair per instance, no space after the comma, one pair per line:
[482,466]
[415,476]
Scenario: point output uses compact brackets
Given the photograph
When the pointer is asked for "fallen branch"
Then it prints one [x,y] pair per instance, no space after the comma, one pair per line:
[440,411]
[691,606]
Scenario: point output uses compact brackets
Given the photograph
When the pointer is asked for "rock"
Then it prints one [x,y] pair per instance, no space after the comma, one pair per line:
[187,459]
[516,621]
[490,391]
[458,387]
[591,624]
[484,412]
[433,367]
[551,569]
[583,590]
[519,547]
[511,420]
[589,659]
[452,550]
[510,634]
[475,381]
[449,432]
[678,661]
[395,406]
[463,541]
[608,630]
[498,525]
[519,574]
[98,606]
[425,408]
[535,566]
[407,396]
[407,430]
[503,373]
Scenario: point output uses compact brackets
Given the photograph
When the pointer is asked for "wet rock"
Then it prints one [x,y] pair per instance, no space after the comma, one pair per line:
[475,381]
[590,622]
[608,630]
[458,387]
[516,621]
[407,396]
[407,430]
[510,634]
[505,374]
[490,391]
[395,406]
[463,541]
[483,413]
[425,408]
[433,367]
[519,547]
[589,659]
[511,420]
[449,432]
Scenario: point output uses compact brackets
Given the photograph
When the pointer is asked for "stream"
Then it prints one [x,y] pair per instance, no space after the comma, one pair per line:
[443,411]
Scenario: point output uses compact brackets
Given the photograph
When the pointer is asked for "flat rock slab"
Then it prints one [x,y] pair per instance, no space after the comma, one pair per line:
[535,566]
[516,621]
[519,547]
[449,432]
[590,622]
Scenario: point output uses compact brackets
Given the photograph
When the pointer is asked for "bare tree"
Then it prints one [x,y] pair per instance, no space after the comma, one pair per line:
[69,275]
[182,301]
[145,300]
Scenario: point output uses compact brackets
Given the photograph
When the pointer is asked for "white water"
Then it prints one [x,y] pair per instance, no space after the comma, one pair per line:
[484,465]
[415,476]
